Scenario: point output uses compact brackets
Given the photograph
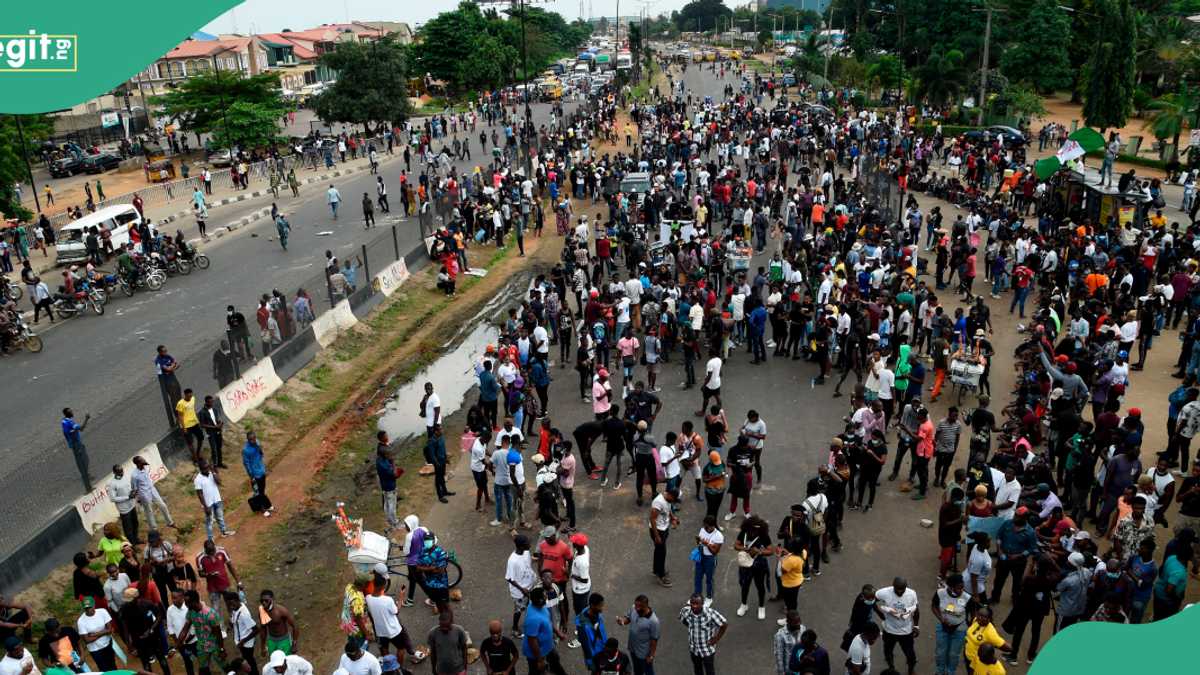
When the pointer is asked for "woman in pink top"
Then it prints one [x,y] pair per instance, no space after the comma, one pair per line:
[628,347]
[601,394]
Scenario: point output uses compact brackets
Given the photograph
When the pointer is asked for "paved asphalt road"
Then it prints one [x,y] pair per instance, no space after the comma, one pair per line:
[104,364]
[879,545]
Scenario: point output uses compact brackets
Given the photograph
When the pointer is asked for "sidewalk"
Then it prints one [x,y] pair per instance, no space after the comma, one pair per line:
[180,208]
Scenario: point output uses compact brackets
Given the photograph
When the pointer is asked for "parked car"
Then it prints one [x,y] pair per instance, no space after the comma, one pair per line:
[117,219]
[105,161]
[65,167]
[220,158]
[1009,135]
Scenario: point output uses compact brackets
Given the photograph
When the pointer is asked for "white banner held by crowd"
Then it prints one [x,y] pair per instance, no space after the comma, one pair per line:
[250,390]
[97,508]
[331,323]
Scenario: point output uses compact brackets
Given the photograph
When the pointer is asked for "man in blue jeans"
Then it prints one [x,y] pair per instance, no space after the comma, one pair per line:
[950,610]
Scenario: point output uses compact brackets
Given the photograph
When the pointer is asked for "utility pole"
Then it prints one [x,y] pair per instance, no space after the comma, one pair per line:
[828,38]
[983,67]
[28,168]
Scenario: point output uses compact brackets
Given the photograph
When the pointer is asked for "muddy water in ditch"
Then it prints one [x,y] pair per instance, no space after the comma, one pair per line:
[453,374]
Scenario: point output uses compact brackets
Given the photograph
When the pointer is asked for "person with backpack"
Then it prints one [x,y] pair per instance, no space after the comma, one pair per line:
[815,504]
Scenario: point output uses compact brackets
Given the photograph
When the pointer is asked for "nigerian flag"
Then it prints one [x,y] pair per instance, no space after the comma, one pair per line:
[1079,143]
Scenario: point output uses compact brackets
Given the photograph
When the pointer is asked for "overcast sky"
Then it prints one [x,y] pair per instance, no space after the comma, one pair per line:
[268,16]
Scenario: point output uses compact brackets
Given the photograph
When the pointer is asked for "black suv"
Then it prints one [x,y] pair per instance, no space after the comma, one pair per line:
[65,167]
[105,161]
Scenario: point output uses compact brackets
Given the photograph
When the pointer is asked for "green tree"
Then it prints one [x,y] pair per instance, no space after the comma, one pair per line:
[1169,114]
[1039,56]
[201,104]
[1024,101]
[487,63]
[247,125]
[884,72]
[35,128]
[701,15]
[1108,94]
[371,87]
[440,50]
[940,80]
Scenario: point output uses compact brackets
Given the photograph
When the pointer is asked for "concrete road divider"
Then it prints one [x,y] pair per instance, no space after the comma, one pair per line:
[97,508]
[248,392]
[330,324]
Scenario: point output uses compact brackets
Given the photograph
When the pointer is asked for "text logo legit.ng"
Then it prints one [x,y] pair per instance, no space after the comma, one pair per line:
[39,53]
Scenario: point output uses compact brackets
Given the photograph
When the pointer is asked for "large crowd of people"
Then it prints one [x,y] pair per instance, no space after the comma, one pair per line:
[743,222]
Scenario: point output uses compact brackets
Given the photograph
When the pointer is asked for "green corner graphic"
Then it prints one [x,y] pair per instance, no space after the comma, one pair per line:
[89,48]
[1100,648]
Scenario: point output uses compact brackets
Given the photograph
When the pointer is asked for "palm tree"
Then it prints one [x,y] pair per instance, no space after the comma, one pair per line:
[941,78]
[1170,113]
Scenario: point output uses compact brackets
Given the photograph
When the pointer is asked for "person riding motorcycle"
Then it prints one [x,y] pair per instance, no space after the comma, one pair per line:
[126,266]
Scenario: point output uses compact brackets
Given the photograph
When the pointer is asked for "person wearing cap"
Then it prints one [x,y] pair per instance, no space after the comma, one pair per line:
[356,660]
[1016,541]
[1072,591]
[96,628]
[289,664]
[17,660]
[140,624]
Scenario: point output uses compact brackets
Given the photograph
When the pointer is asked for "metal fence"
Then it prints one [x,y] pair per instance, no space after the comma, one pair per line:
[120,427]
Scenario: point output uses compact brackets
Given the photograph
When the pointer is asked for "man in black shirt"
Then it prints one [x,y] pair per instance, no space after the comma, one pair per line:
[613,429]
[498,653]
[611,660]
[585,434]
[1189,501]
[51,647]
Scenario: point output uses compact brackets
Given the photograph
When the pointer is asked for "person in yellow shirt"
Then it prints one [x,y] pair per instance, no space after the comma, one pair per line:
[1158,220]
[189,423]
[791,574]
[982,632]
[988,663]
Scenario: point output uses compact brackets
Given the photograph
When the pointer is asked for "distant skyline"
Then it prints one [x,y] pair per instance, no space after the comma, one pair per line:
[270,16]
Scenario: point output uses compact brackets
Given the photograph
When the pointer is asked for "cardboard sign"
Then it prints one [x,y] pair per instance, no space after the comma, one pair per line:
[250,390]
[97,508]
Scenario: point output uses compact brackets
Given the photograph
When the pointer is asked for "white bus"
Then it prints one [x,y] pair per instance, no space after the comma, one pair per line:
[624,61]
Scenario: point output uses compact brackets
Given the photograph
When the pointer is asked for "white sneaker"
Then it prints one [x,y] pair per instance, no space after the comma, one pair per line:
[729,516]
[742,610]
[494,523]
[762,613]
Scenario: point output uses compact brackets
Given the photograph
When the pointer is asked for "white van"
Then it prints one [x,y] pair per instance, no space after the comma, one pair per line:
[116,219]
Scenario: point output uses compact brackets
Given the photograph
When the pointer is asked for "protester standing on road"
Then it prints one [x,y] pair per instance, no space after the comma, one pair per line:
[120,491]
[705,628]
[213,426]
[73,432]
[334,199]
[662,519]
[368,208]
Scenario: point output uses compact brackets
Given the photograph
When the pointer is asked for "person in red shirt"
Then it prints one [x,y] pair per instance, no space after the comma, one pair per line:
[215,567]
[554,556]
[923,452]
[1022,276]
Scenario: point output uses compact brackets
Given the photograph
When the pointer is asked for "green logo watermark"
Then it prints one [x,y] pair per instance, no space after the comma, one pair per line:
[39,53]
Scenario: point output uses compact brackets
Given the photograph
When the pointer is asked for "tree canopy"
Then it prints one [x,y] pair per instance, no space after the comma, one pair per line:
[1108,89]
[35,128]
[205,103]
[371,87]
[701,15]
[470,49]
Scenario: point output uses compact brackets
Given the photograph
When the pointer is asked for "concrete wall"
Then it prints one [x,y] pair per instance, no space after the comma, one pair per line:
[58,542]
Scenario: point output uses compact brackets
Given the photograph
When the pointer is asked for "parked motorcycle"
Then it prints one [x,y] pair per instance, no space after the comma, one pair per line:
[67,306]
[146,276]
[95,292]
[11,291]
[21,335]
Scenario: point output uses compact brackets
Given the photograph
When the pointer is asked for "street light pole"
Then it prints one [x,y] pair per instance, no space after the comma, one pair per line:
[983,66]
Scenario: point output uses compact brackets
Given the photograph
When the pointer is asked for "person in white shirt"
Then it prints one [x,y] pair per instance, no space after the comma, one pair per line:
[668,456]
[287,664]
[520,577]
[114,587]
[979,566]
[120,491]
[1008,494]
[358,661]
[244,625]
[177,613]
[581,577]
[385,617]
[431,407]
[898,607]
[95,628]
[711,387]
[858,661]
[208,490]
[17,660]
